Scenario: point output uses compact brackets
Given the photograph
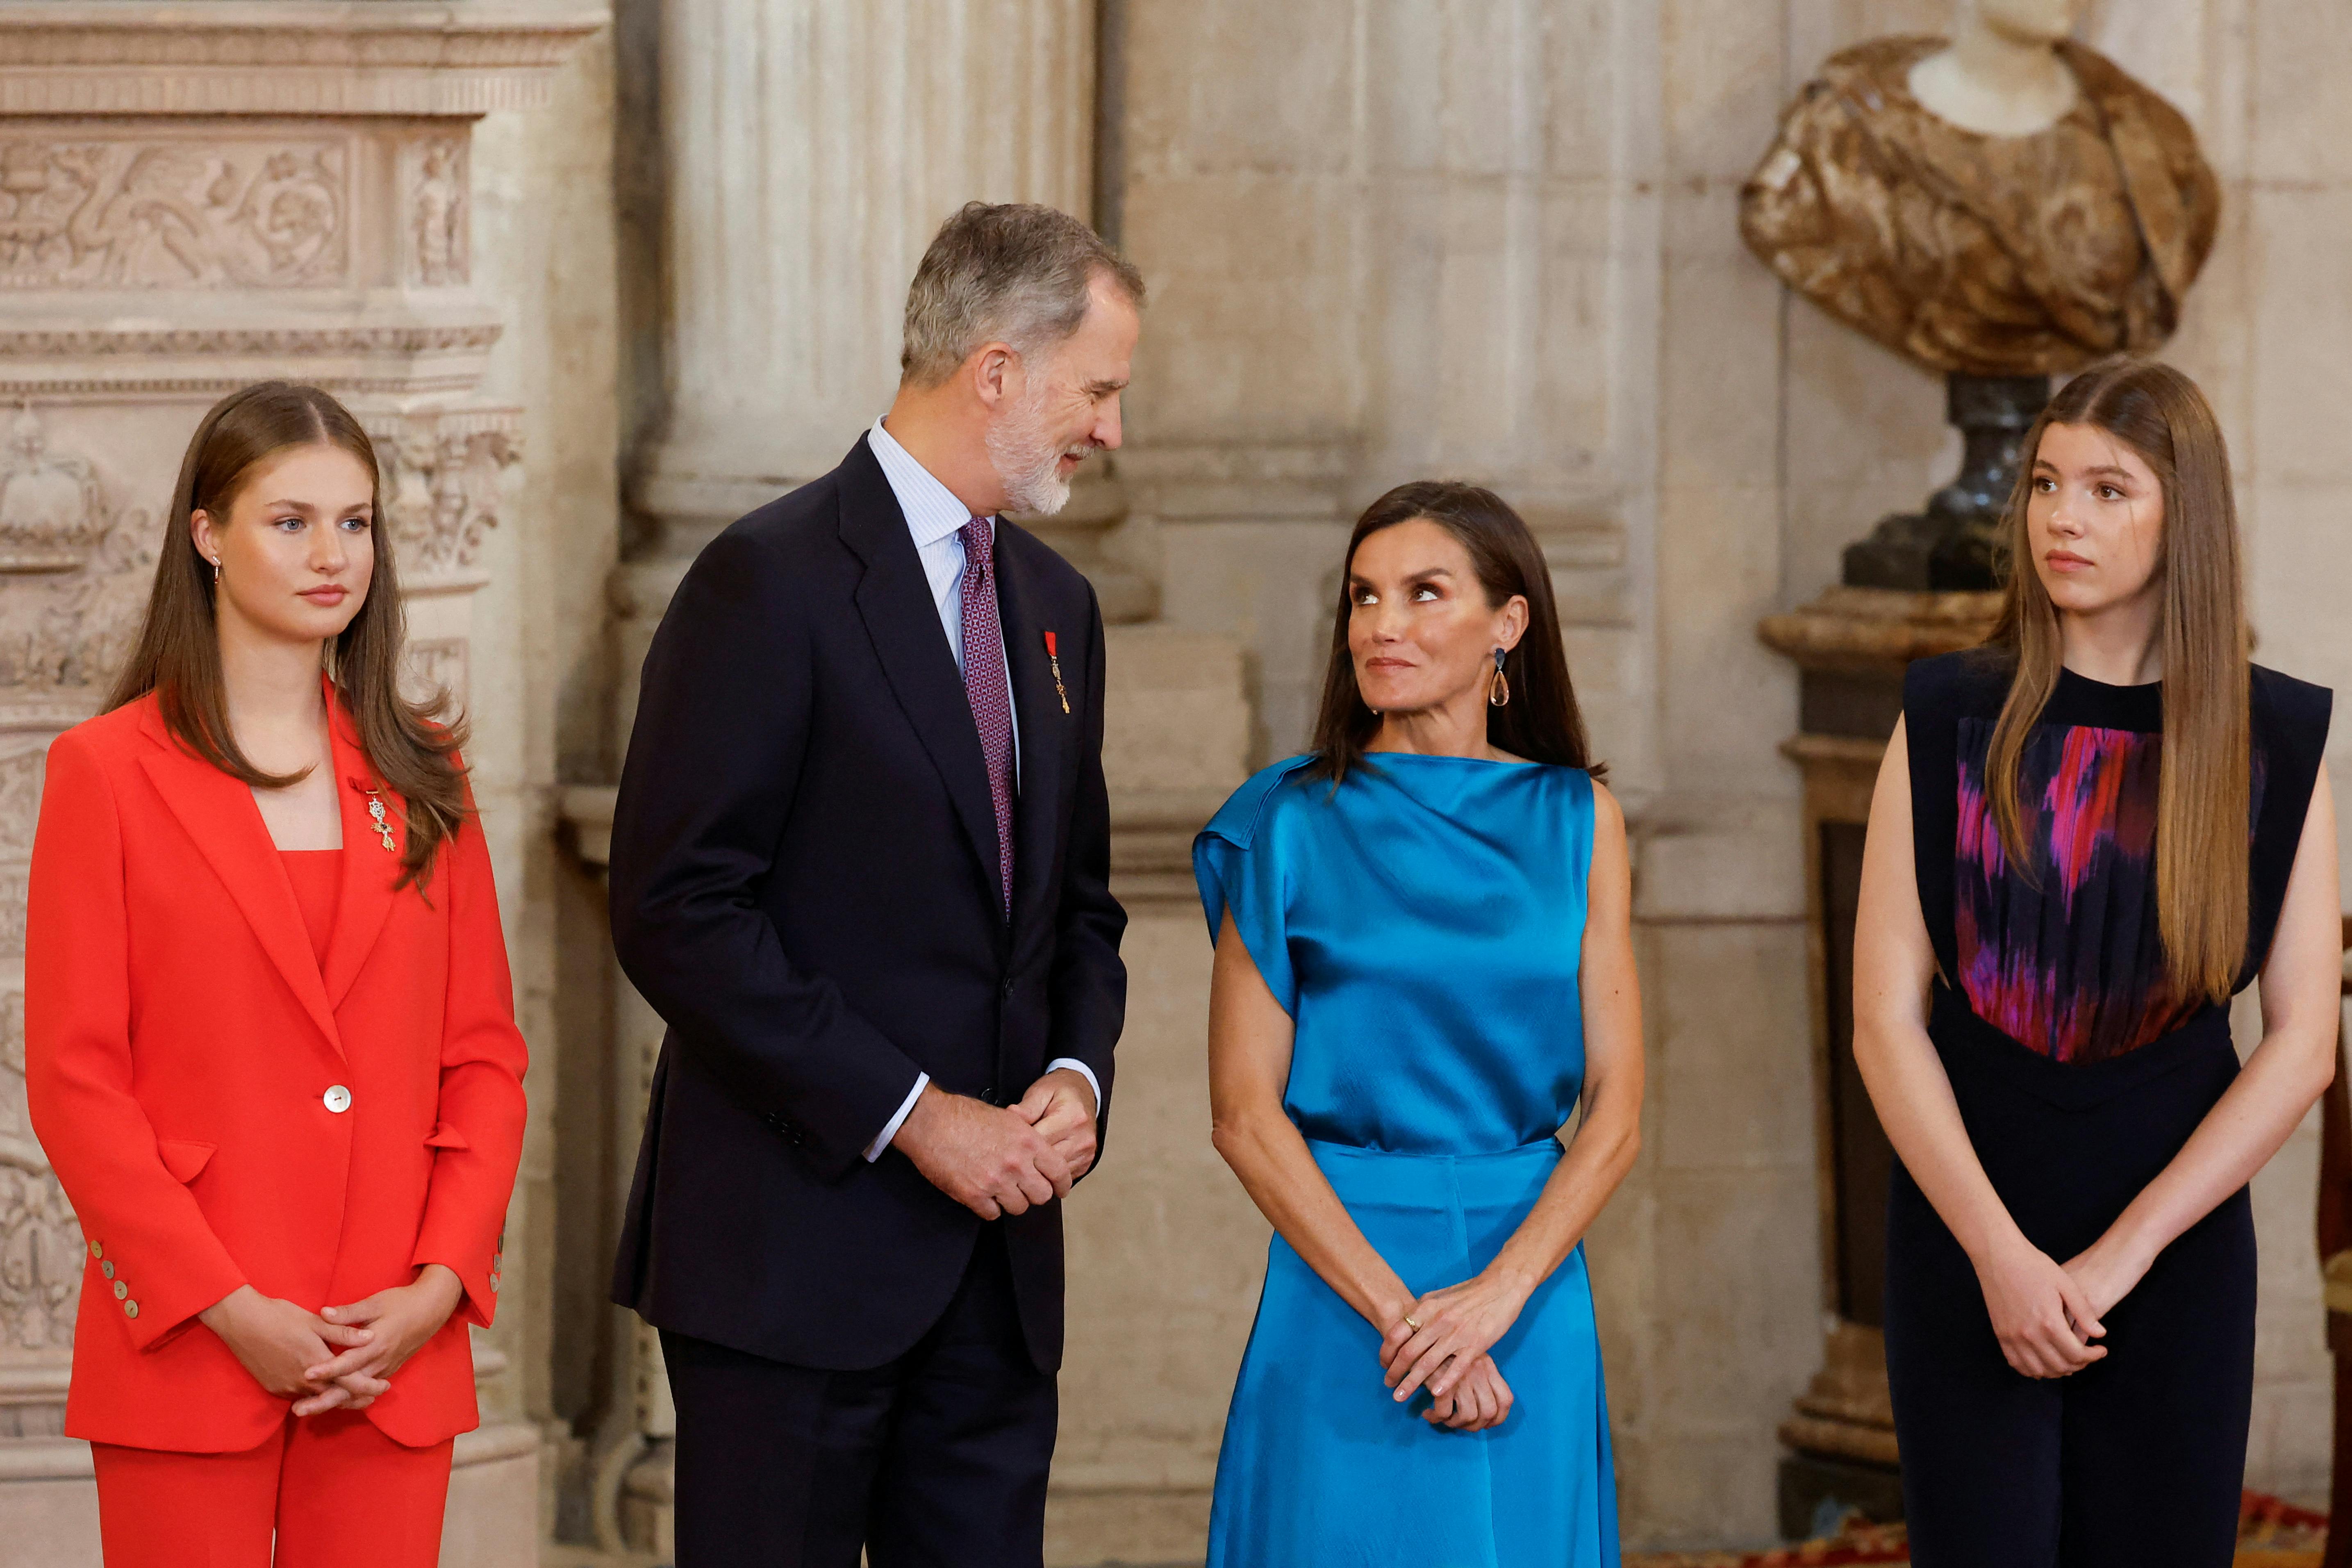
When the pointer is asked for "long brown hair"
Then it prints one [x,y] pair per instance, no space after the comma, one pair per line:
[1541,722]
[177,655]
[2204,793]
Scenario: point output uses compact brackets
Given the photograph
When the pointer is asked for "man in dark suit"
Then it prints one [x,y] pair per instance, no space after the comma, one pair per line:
[860,866]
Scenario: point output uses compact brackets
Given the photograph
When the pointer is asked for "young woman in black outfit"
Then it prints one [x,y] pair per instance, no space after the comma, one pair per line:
[2086,837]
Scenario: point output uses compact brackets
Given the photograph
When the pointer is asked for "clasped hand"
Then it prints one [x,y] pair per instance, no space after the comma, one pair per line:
[2045,1316]
[343,1357]
[1447,1352]
[999,1160]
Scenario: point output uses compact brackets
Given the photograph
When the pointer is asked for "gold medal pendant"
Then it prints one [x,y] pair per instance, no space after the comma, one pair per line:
[1055,658]
[376,818]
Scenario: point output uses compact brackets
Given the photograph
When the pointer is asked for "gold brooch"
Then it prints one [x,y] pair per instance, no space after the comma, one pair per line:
[376,814]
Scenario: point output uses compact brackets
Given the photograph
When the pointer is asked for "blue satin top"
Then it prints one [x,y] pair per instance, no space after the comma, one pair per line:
[1422,925]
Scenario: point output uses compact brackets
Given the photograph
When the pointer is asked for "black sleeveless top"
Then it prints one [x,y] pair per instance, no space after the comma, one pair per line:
[2068,960]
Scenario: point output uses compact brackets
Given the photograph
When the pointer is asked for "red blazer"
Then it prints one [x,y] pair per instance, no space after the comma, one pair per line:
[183,1057]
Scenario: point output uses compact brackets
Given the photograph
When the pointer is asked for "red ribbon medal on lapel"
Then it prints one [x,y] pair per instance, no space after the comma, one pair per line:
[1055,658]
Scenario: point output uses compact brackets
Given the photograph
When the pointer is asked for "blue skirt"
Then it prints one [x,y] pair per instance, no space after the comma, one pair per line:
[1321,1467]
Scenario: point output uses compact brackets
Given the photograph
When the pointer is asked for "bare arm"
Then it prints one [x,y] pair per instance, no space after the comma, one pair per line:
[2286,1073]
[1250,1039]
[1249,1066]
[1460,1322]
[2041,1315]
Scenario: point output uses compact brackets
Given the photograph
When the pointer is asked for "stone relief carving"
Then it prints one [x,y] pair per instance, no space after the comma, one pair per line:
[51,515]
[77,343]
[20,801]
[437,213]
[74,630]
[40,1243]
[152,213]
[441,482]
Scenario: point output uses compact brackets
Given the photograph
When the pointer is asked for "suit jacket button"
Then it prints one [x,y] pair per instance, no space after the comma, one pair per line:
[96,1251]
[338,1098]
[121,1289]
[130,1309]
[107,1269]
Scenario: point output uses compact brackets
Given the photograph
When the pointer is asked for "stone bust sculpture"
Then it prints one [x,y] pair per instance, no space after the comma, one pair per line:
[2006,203]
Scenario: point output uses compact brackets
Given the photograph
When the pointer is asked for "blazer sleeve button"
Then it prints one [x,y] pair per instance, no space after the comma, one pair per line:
[121,1289]
[130,1309]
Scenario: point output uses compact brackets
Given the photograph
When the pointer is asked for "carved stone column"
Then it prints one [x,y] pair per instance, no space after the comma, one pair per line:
[1852,645]
[191,198]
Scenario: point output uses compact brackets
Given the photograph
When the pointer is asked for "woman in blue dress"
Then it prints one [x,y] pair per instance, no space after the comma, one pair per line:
[1423,965]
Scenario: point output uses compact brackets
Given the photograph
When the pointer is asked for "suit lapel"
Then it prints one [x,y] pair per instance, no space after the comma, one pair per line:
[370,871]
[219,814]
[1037,711]
[894,600]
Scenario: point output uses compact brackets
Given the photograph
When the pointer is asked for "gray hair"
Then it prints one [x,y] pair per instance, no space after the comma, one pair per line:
[1015,272]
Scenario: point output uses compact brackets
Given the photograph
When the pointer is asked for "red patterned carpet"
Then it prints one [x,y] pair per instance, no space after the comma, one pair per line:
[2272,1534]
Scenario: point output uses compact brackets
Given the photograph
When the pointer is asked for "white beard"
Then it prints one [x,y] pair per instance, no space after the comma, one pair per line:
[1028,463]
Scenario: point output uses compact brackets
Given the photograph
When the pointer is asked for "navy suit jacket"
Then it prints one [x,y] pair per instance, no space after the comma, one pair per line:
[805,887]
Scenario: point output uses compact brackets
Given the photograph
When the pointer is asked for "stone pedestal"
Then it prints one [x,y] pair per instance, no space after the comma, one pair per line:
[190,200]
[1850,646]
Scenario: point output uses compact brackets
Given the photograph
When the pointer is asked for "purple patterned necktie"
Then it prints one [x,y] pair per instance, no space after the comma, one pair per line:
[985,686]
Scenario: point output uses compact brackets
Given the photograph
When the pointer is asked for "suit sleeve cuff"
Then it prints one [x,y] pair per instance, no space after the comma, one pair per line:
[891,1128]
[1084,1071]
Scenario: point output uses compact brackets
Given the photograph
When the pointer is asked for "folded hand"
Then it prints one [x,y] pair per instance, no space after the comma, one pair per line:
[1447,1332]
[987,1158]
[1062,1107]
[277,1341]
[2040,1312]
[399,1321]
[1480,1400]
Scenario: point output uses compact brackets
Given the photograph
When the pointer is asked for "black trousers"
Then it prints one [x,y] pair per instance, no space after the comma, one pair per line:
[2137,1461]
[937,1459]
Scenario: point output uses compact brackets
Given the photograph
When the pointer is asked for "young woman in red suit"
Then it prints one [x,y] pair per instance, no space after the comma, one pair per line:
[269,1034]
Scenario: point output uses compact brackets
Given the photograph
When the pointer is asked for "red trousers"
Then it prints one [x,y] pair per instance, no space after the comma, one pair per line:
[333,1490]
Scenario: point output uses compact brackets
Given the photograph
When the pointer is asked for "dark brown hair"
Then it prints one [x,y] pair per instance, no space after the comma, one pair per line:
[2205,784]
[1541,722]
[177,655]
